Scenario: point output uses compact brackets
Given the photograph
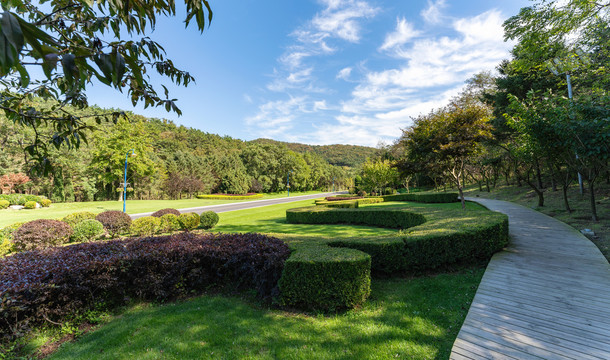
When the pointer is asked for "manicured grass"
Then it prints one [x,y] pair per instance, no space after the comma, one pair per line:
[59,210]
[580,218]
[404,318]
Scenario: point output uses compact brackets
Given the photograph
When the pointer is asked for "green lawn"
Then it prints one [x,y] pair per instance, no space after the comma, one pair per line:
[59,210]
[408,318]
[404,318]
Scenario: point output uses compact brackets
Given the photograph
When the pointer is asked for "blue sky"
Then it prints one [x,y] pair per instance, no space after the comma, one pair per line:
[326,71]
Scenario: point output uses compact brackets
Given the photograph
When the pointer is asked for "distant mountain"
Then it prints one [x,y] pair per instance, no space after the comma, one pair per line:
[339,155]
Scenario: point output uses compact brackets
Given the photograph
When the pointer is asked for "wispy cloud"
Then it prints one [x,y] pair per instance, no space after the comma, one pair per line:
[433,13]
[403,33]
[344,73]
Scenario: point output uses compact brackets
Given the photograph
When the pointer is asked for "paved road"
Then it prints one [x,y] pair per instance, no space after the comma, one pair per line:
[547,296]
[246,204]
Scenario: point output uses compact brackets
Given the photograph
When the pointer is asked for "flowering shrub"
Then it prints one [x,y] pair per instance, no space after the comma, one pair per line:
[40,234]
[145,226]
[63,281]
[89,229]
[77,217]
[169,223]
[208,219]
[188,221]
[114,221]
[162,212]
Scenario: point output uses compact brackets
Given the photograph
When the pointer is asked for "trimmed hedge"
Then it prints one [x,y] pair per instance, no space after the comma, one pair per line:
[345,203]
[29,205]
[145,226]
[114,221]
[60,282]
[340,198]
[189,221]
[208,219]
[448,197]
[398,219]
[77,217]
[40,234]
[337,279]
[45,202]
[162,212]
[169,223]
[230,197]
[4,204]
[89,229]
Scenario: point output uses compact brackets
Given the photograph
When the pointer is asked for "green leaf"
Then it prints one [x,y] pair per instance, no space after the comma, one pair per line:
[12,31]
[119,69]
[67,62]
[24,76]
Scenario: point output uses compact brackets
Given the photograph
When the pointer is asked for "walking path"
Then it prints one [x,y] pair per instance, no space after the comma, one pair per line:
[246,204]
[547,296]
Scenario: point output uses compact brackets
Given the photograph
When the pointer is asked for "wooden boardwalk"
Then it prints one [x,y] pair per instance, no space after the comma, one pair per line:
[546,297]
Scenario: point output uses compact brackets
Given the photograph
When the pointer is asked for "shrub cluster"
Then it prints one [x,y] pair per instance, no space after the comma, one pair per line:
[230,197]
[45,202]
[30,205]
[208,219]
[169,223]
[145,226]
[77,217]
[447,197]
[58,282]
[325,278]
[40,234]
[87,230]
[4,204]
[114,221]
[20,199]
[341,198]
[162,212]
[188,221]
[398,219]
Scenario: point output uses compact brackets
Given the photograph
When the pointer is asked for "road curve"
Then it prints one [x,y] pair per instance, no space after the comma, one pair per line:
[245,204]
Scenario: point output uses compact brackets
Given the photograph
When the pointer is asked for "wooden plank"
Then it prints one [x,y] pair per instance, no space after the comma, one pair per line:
[505,346]
[477,352]
[506,272]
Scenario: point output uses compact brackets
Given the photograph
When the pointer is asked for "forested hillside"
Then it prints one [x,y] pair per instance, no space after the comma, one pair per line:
[170,161]
[340,155]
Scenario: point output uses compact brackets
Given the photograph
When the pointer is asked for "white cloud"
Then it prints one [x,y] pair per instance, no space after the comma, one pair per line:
[403,33]
[433,13]
[340,19]
[344,73]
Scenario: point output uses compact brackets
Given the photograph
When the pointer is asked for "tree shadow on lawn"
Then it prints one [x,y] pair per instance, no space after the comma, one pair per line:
[404,318]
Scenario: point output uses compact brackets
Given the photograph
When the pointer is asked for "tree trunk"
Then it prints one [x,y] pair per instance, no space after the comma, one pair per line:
[538,192]
[539,175]
[565,198]
[553,183]
[487,184]
[592,197]
[480,186]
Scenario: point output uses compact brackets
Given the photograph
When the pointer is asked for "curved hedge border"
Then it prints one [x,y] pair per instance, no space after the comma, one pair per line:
[447,197]
[230,197]
[310,275]
[349,203]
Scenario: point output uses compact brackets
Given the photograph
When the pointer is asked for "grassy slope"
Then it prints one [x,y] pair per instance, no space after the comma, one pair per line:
[60,210]
[405,318]
[580,218]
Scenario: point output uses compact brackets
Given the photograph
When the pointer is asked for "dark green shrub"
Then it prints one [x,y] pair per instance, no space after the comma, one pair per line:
[45,202]
[4,204]
[323,278]
[189,221]
[162,212]
[230,196]
[362,193]
[40,234]
[350,204]
[208,219]
[77,217]
[89,229]
[114,221]
[388,191]
[448,197]
[145,226]
[169,223]
[398,219]
[30,205]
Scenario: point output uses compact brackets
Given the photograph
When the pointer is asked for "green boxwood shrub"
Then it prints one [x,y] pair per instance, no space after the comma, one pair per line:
[169,223]
[77,217]
[4,204]
[447,197]
[208,219]
[398,219]
[145,226]
[40,234]
[114,221]
[45,202]
[189,221]
[86,230]
[230,197]
[19,199]
[30,205]
[162,212]
[323,278]
[349,204]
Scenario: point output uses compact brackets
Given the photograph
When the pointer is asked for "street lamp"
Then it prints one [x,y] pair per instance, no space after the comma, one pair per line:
[557,70]
[288,182]
[133,153]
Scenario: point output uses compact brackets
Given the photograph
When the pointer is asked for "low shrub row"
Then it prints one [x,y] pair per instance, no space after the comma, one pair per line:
[21,199]
[230,197]
[55,283]
[350,203]
[447,197]
[341,198]
[390,218]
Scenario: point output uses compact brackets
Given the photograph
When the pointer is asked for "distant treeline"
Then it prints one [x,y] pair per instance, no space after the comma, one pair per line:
[170,161]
